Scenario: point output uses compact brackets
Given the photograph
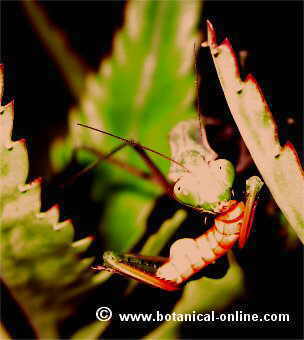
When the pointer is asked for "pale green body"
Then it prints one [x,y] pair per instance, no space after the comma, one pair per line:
[207,185]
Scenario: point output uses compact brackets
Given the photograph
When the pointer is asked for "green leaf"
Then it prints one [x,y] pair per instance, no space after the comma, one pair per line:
[279,165]
[39,261]
[141,91]
[147,85]
[158,240]
[123,231]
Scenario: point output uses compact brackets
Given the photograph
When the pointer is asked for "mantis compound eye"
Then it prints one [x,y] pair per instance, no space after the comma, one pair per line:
[184,191]
[223,171]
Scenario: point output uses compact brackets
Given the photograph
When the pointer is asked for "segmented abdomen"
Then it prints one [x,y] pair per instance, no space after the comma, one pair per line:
[188,256]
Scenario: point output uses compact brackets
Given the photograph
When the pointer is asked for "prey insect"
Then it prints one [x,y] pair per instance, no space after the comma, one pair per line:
[203,182]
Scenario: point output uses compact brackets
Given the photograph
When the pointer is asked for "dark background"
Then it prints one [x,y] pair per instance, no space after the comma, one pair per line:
[272,32]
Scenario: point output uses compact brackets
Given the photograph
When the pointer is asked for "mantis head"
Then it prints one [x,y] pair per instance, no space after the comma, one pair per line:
[207,186]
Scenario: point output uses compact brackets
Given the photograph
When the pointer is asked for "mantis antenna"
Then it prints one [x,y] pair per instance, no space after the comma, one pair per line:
[197,97]
[135,144]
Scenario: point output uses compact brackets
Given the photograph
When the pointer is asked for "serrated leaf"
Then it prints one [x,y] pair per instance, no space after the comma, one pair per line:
[82,245]
[279,165]
[141,91]
[39,262]
[150,71]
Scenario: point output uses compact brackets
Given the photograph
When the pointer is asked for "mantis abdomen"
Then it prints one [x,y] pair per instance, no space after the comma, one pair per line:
[189,256]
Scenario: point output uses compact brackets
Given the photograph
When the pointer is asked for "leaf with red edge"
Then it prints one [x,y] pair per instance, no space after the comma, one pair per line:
[279,165]
[40,264]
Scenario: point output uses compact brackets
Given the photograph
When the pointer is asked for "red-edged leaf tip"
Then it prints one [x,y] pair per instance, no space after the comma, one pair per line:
[37,181]
[250,79]
[55,207]
[226,42]
[21,141]
[211,34]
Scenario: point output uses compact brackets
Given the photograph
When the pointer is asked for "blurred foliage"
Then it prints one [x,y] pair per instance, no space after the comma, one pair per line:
[3,334]
[279,166]
[287,233]
[199,295]
[141,91]
[157,241]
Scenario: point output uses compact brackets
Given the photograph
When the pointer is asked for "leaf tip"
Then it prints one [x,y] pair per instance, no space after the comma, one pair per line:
[226,42]
[250,79]
[83,244]
[37,181]
[211,34]
[21,141]
[55,207]
[63,224]
[32,185]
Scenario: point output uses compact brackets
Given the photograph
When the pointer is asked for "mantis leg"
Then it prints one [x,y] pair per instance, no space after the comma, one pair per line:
[155,175]
[253,186]
[101,157]
[140,149]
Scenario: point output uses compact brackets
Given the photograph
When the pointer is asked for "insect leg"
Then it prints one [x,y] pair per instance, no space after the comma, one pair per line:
[140,149]
[117,162]
[157,174]
[137,267]
[94,164]
[253,186]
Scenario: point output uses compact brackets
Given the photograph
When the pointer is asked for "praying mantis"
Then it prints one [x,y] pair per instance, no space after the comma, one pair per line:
[204,183]
[200,180]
